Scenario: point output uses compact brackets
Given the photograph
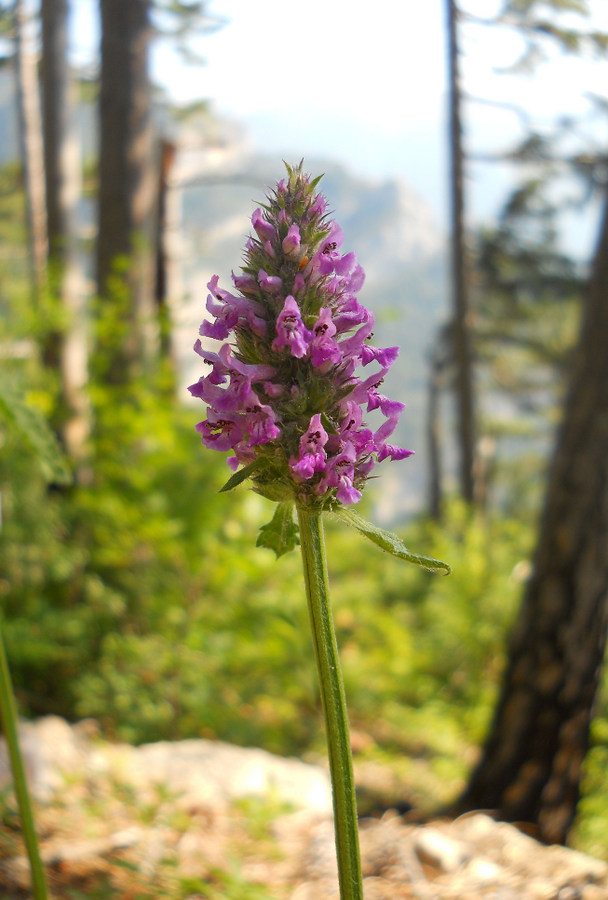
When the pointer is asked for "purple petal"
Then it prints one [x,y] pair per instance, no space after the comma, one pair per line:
[395,453]
[271,283]
[386,357]
[245,283]
[291,331]
[315,436]
[263,229]
[218,433]
[291,243]
[346,493]
[252,371]
[261,425]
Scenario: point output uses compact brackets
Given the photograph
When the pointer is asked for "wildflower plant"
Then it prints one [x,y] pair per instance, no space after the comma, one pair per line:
[288,392]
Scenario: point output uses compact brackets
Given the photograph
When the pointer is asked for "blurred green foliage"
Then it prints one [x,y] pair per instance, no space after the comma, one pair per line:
[139,598]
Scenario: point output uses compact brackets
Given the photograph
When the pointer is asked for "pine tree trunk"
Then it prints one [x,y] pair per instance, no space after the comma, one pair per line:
[436,384]
[66,349]
[56,120]
[461,330]
[127,187]
[30,137]
[531,766]
[164,222]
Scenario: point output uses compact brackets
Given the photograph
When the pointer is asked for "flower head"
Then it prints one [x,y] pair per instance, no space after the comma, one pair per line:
[284,396]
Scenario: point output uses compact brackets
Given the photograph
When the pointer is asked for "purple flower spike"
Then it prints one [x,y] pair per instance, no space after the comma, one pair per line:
[285,390]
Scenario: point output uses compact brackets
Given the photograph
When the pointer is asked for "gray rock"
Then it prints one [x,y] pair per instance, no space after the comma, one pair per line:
[50,749]
[195,771]
[436,848]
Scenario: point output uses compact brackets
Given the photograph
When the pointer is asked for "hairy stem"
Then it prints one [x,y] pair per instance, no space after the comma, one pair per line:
[8,718]
[334,703]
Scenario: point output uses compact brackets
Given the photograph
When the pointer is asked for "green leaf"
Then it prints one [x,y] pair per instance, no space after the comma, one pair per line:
[274,490]
[328,425]
[389,542]
[242,474]
[32,429]
[281,533]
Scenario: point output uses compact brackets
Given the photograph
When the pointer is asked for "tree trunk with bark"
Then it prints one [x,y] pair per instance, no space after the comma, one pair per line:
[65,349]
[127,190]
[30,138]
[461,314]
[162,292]
[57,107]
[531,766]
[439,365]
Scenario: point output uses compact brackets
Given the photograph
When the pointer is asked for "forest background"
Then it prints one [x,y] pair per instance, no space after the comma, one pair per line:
[133,594]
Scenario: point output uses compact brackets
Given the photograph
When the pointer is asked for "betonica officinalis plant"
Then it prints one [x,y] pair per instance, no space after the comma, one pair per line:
[291,374]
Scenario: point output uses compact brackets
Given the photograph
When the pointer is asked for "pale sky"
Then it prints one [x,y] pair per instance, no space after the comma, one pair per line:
[365,84]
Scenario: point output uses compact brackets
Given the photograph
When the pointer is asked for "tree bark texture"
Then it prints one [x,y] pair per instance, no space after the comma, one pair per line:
[461,331]
[30,137]
[162,283]
[531,766]
[66,349]
[61,163]
[127,183]
[438,365]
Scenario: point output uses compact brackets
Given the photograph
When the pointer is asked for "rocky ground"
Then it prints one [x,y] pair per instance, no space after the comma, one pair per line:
[201,820]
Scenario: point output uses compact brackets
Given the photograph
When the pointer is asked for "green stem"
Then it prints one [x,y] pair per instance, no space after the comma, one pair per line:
[334,703]
[8,717]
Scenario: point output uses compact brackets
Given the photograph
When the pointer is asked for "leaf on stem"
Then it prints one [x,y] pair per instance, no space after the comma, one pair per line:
[389,542]
[281,533]
[242,474]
